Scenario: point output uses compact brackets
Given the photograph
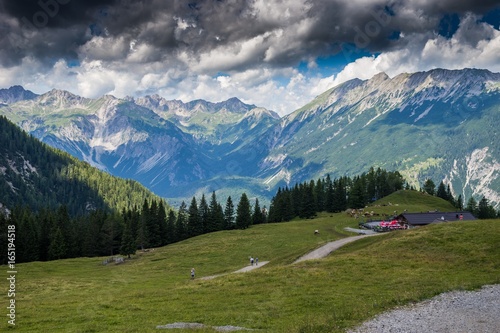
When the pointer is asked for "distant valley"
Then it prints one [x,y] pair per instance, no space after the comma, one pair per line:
[440,124]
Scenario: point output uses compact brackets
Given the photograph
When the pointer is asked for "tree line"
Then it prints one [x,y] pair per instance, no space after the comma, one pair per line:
[50,234]
[482,209]
[306,199]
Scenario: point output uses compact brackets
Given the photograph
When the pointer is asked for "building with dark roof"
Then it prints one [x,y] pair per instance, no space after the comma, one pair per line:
[419,219]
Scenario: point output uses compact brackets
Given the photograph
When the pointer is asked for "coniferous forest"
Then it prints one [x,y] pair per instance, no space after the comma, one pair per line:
[333,195]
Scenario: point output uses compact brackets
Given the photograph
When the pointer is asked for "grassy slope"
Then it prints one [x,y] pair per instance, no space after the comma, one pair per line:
[354,283]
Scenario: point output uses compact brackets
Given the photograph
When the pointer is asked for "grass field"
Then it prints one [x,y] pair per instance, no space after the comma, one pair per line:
[351,285]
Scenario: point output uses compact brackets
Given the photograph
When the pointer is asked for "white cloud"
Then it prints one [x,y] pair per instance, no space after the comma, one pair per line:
[474,45]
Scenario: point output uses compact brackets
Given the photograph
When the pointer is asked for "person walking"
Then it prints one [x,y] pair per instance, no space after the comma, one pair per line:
[256,261]
[192,273]
[251,261]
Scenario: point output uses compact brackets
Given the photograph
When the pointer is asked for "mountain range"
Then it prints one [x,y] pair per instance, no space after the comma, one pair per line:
[440,124]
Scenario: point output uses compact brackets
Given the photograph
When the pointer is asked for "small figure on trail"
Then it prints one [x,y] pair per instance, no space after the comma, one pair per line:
[256,261]
[251,261]
[192,273]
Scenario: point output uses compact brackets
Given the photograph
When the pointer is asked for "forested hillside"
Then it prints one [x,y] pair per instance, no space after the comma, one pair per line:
[35,175]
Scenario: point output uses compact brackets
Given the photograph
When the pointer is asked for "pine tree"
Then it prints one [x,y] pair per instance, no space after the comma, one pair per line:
[485,210]
[142,231]
[215,219]
[229,214]
[460,202]
[287,205]
[441,191]
[429,187]
[203,209]
[257,216]
[339,195]
[308,207]
[128,246]
[194,226]
[451,199]
[371,186]
[57,248]
[472,206]
[180,224]
[357,194]
[243,216]
[161,217]
[329,195]
[153,225]
[171,232]
[275,209]
[319,195]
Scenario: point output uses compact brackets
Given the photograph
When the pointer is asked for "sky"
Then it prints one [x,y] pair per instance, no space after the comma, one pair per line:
[277,54]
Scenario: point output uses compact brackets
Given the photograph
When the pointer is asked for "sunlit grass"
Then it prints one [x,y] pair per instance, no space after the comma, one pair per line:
[351,285]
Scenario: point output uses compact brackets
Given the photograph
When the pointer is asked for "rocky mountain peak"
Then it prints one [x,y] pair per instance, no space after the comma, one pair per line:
[15,94]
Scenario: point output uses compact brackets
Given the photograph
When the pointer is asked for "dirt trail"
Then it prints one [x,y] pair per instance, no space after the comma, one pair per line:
[319,253]
[330,247]
[243,270]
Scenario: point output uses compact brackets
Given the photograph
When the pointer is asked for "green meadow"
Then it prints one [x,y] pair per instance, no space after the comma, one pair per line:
[351,285]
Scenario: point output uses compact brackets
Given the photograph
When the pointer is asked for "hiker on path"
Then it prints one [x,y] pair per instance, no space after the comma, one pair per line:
[251,261]
[256,261]
[192,273]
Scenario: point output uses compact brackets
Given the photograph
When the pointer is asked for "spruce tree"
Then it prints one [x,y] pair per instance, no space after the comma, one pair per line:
[441,191]
[161,217]
[257,216]
[57,248]
[485,210]
[329,195]
[319,195]
[357,194]
[472,206]
[460,202]
[128,245]
[214,217]
[204,211]
[194,226]
[153,225]
[171,232]
[308,207]
[229,214]
[180,224]
[429,187]
[275,209]
[243,215]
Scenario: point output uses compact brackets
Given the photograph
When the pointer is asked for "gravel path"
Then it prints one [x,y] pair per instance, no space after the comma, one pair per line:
[456,311]
[243,270]
[330,247]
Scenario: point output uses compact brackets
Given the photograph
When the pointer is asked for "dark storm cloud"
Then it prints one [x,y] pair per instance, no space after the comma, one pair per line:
[59,13]
[52,29]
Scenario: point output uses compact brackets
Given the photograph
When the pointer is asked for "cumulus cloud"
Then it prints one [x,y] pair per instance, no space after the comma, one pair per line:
[475,44]
[219,49]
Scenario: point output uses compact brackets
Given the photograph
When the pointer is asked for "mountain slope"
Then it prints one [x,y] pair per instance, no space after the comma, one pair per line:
[35,175]
[439,124]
